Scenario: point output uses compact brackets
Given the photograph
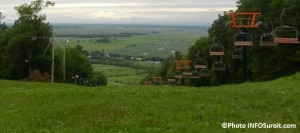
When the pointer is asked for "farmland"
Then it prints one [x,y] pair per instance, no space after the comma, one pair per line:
[128,40]
[134,40]
[40,107]
[121,75]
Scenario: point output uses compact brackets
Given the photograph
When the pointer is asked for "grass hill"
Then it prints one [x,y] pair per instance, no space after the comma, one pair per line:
[40,107]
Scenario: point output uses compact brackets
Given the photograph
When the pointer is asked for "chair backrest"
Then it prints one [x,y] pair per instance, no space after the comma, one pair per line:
[243,39]
[286,35]
[267,40]
[216,49]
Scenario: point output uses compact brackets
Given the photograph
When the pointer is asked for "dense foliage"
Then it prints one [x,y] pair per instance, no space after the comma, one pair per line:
[98,79]
[23,52]
[264,63]
[25,49]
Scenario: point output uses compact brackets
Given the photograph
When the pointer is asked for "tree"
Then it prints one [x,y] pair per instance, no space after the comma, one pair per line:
[25,47]
[3,58]
[76,64]
[97,54]
[2,24]
[98,79]
[264,63]
[27,41]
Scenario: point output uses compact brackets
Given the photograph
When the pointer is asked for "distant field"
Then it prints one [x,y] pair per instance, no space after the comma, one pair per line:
[113,71]
[133,40]
[157,41]
[39,107]
[128,80]
[160,49]
[121,75]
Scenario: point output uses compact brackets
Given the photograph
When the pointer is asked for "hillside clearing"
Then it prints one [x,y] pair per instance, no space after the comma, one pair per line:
[39,107]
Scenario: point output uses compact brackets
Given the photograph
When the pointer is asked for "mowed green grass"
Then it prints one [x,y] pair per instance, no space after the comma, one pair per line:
[43,107]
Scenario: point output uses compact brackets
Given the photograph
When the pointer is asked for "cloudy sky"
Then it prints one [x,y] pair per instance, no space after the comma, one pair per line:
[128,11]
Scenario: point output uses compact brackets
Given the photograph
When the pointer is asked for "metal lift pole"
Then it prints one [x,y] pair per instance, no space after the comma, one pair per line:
[245,72]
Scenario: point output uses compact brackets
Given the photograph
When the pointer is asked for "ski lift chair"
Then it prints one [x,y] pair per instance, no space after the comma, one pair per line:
[267,40]
[219,66]
[237,53]
[157,80]
[178,75]
[216,49]
[200,63]
[243,39]
[172,81]
[286,35]
[186,73]
[204,72]
[194,75]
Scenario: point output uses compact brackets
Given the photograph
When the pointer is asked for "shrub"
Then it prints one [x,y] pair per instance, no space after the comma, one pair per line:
[38,76]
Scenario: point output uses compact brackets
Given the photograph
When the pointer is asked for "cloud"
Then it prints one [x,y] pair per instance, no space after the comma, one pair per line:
[130,11]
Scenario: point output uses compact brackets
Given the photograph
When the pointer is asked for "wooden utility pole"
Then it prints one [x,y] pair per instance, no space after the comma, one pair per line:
[52,67]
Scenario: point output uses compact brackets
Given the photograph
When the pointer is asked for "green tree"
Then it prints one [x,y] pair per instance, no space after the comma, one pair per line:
[76,64]
[3,27]
[2,23]
[27,41]
[98,79]
[264,63]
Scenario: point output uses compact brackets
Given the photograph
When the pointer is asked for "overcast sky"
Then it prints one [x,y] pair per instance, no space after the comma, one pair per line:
[128,11]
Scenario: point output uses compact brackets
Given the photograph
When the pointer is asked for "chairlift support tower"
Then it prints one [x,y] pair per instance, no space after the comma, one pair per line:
[182,66]
[246,20]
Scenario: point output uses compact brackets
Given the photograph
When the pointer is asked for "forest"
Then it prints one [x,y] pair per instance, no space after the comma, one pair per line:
[262,62]
[26,51]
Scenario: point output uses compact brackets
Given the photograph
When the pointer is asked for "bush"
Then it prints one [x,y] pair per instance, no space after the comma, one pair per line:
[38,76]
[98,79]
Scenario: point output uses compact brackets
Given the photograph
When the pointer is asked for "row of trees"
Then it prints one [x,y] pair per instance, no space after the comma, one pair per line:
[25,50]
[264,63]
